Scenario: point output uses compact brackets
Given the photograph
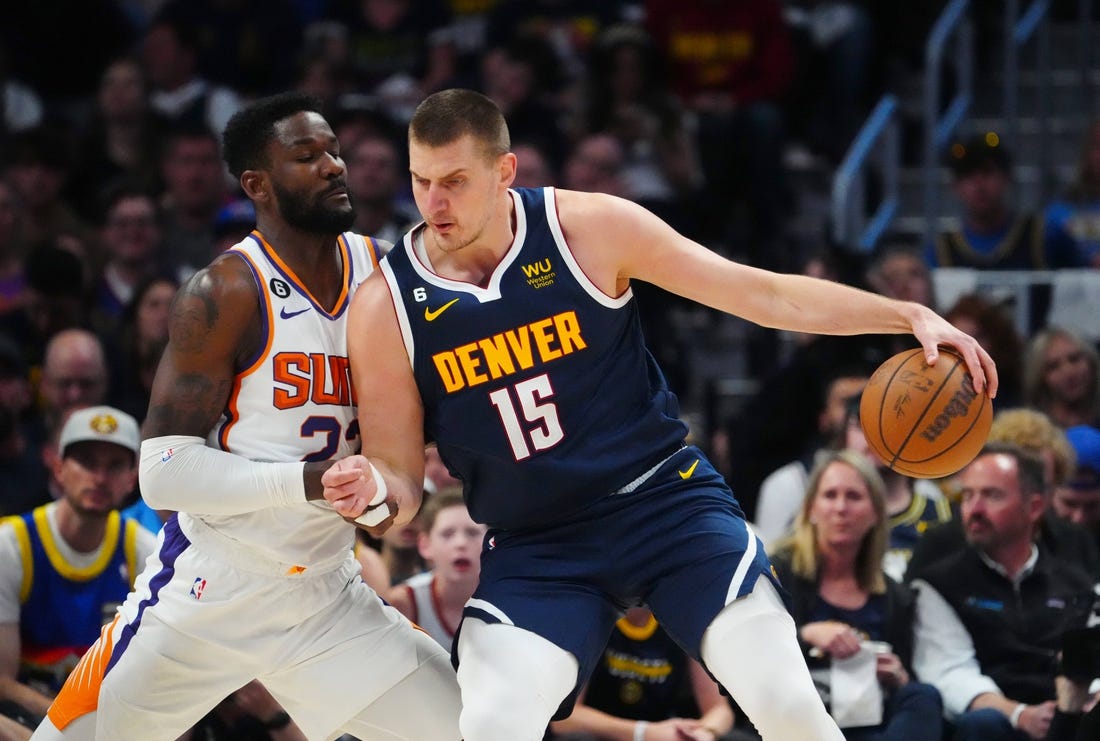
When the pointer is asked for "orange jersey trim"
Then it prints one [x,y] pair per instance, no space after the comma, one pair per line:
[234,393]
[345,258]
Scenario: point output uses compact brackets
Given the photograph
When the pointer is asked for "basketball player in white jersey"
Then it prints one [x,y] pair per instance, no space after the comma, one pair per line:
[254,577]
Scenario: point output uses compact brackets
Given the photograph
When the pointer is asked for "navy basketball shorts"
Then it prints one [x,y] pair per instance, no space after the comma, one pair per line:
[678,543]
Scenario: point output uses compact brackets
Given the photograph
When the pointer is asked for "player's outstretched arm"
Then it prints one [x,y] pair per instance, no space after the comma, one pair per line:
[391,416]
[214,325]
[616,240]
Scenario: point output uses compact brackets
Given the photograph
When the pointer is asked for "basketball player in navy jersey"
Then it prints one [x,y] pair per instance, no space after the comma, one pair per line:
[251,402]
[503,327]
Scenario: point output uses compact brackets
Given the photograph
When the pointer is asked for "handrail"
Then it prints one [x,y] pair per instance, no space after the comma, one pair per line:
[849,222]
[952,23]
[1018,30]
[1070,294]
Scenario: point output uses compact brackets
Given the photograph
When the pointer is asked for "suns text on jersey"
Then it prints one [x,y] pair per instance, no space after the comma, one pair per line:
[514,350]
[317,378]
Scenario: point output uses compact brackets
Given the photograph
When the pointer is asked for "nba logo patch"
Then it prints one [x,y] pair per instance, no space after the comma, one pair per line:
[167,455]
[492,542]
[197,587]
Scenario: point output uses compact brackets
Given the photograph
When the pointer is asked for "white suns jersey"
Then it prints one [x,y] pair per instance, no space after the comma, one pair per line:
[294,401]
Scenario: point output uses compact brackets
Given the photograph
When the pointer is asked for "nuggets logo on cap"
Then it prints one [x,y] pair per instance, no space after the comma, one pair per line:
[104,424]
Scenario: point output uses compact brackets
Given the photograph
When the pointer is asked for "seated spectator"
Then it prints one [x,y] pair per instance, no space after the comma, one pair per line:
[66,566]
[134,350]
[995,330]
[54,299]
[731,65]
[22,475]
[898,270]
[13,278]
[521,77]
[234,222]
[834,43]
[74,374]
[991,616]
[1074,719]
[130,237]
[178,91]
[397,50]
[376,176]
[1032,431]
[993,236]
[1076,213]
[1078,499]
[912,505]
[782,492]
[1062,377]
[831,565]
[533,167]
[195,190]
[451,542]
[39,163]
[637,691]
[120,137]
[625,95]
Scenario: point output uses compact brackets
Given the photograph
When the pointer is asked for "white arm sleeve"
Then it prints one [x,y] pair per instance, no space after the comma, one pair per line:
[182,473]
[943,652]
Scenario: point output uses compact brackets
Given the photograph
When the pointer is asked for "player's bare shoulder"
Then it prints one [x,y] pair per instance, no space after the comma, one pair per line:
[603,233]
[219,300]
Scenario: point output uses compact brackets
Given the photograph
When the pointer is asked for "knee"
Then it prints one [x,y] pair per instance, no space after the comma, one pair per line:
[491,717]
[791,713]
[986,724]
[918,695]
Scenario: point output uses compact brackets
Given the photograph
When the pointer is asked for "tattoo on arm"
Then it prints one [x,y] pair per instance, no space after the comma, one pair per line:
[193,408]
[193,318]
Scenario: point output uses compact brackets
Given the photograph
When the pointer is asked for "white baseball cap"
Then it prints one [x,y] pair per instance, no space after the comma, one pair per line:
[102,423]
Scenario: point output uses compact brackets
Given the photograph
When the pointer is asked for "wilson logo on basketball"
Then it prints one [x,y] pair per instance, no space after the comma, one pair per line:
[957,406]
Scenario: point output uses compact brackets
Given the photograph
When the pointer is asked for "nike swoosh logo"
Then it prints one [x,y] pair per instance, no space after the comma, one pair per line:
[432,315]
[691,469]
[287,315]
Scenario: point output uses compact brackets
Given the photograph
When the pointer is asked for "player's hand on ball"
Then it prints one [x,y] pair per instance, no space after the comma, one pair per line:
[932,331]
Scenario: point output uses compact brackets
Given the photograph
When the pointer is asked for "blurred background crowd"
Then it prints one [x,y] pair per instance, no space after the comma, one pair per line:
[728,118]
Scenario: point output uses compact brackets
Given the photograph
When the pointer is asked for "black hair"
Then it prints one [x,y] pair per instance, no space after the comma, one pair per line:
[980,152]
[251,129]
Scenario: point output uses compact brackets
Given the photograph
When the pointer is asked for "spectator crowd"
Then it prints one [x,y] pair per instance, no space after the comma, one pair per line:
[968,601]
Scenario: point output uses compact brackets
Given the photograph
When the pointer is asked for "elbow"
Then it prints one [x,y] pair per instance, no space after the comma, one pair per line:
[159,477]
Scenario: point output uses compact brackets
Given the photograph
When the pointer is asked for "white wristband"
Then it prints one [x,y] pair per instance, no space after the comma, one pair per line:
[375,513]
[639,730]
[1014,719]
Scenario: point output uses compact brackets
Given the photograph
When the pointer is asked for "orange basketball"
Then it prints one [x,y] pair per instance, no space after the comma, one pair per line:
[925,421]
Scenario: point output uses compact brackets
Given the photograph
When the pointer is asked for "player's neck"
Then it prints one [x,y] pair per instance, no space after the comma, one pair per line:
[314,259]
[476,261]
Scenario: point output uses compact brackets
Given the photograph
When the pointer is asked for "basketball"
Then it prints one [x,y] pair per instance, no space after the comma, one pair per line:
[924,421]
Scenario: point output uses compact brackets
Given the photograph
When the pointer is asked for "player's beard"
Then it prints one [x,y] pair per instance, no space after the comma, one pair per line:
[316,215]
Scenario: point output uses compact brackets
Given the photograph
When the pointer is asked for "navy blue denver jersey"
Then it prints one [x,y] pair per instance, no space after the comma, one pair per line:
[537,387]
